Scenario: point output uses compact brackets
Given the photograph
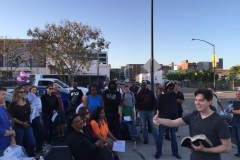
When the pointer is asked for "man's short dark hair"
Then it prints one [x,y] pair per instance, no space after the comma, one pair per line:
[157,84]
[126,86]
[122,100]
[49,85]
[3,89]
[206,94]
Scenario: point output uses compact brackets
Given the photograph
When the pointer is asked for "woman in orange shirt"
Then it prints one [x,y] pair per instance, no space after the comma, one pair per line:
[100,128]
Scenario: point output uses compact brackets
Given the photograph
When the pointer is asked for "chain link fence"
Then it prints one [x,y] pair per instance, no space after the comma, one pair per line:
[225,86]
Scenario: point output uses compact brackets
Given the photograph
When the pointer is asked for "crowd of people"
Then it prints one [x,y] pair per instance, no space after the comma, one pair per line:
[96,120]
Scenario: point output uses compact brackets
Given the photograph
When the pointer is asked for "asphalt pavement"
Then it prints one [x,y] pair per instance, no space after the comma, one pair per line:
[60,150]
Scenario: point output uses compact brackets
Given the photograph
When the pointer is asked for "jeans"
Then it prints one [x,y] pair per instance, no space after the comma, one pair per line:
[173,140]
[48,127]
[27,135]
[38,132]
[131,127]
[148,115]
[236,134]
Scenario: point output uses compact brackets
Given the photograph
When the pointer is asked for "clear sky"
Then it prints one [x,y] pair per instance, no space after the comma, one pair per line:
[126,24]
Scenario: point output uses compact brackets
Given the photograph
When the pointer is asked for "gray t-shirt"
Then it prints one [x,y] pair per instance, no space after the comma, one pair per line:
[214,127]
[129,98]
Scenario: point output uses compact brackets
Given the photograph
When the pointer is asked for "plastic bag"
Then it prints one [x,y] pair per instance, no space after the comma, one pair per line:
[14,152]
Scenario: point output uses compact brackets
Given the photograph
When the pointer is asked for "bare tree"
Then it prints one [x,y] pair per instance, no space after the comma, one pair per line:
[15,53]
[67,46]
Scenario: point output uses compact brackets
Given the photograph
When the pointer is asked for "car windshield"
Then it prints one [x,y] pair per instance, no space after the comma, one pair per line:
[60,83]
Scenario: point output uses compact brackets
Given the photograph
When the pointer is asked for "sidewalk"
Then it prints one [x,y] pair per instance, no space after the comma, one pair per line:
[147,152]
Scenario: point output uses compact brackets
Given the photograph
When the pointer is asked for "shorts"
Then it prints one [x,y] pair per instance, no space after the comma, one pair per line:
[60,119]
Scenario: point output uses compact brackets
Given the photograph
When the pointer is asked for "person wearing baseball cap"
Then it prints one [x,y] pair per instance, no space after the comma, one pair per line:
[168,109]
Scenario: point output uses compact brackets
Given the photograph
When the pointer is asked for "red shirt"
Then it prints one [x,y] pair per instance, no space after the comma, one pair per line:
[59,98]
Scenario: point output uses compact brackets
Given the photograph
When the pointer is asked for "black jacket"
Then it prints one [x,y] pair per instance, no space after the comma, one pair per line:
[146,100]
[49,103]
[111,99]
[167,106]
[82,146]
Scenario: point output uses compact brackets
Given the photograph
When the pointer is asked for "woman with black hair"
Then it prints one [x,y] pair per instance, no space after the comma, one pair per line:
[94,100]
[100,128]
[80,143]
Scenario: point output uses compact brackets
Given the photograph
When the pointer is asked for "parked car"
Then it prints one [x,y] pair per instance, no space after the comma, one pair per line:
[137,83]
[40,91]
[121,82]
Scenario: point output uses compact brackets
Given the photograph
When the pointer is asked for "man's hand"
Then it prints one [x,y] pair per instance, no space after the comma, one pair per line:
[13,133]
[99,144]
[53,112]
[26,124]
[155,119]
[198,148]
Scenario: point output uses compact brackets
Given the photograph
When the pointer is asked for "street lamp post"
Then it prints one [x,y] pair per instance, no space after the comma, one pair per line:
[152,58]
[214,61]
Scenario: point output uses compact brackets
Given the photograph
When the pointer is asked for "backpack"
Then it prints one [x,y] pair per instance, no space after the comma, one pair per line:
[131,95]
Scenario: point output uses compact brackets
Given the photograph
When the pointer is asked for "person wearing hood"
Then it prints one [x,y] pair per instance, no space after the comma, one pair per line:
[111,102]
[168,108]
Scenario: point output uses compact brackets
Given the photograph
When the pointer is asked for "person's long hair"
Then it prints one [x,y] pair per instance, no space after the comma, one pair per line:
[15,97]
[95,114]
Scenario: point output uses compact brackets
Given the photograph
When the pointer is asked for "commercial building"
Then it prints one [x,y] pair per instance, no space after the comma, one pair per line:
[131,70]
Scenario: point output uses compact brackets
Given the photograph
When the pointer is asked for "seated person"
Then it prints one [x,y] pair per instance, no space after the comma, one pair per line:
[80,142]
[100,128]
[128,111]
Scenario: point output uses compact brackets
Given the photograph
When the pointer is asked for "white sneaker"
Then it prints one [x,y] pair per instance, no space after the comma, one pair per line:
[177,134]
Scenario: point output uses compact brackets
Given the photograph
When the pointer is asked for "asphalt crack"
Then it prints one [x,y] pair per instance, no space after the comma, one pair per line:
[140,154]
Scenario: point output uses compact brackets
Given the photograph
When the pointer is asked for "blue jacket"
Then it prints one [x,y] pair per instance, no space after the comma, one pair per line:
[5,124]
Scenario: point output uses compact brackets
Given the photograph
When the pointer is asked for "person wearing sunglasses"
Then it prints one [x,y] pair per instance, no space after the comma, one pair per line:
[80,142]
[84,113]
[20,111]
[168,108]
[49,108]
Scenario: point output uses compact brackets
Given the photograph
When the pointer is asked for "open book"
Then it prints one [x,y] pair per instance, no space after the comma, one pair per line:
[186,142]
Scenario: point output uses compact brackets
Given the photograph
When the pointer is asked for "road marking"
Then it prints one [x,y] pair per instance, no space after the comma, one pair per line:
[60,146]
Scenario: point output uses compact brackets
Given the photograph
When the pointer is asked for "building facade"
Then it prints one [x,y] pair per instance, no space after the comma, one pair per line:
[131,70]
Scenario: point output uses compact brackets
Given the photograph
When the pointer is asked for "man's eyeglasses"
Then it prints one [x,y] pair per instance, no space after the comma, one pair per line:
[50,88]
[21,92]
[170,89]
[87,112]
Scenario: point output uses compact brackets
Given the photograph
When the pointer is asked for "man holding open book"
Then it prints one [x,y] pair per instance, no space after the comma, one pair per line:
[206,122]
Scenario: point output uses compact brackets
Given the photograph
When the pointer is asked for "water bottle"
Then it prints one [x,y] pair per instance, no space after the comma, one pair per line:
[41,158]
